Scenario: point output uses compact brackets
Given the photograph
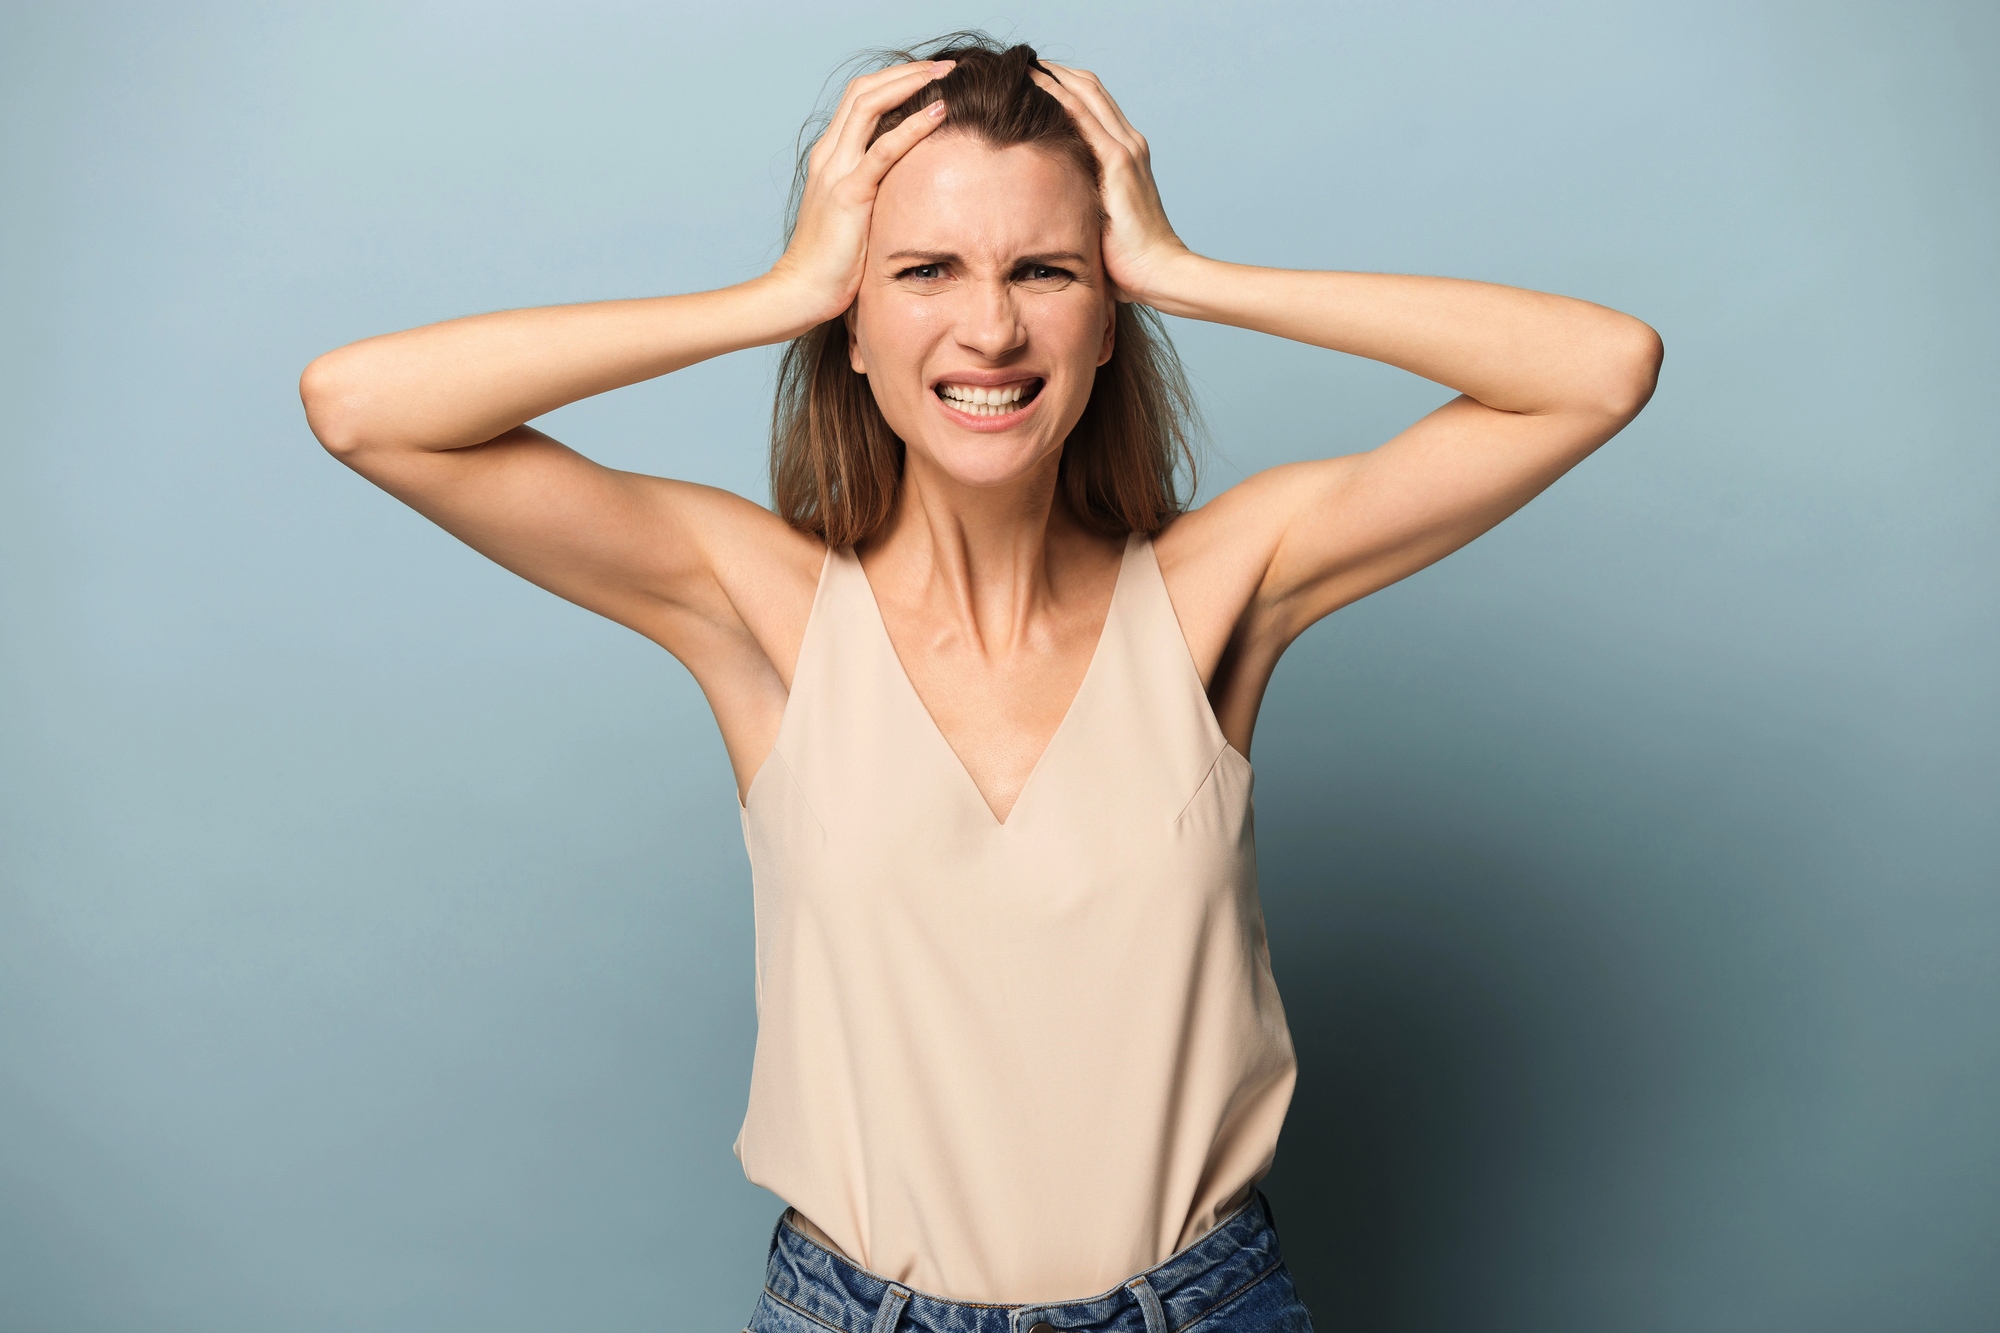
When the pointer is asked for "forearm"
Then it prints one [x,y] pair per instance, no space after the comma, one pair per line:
[1509,348]
[464,381]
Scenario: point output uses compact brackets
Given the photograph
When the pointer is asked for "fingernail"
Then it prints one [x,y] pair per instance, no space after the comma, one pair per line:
[935,109]
[942,66]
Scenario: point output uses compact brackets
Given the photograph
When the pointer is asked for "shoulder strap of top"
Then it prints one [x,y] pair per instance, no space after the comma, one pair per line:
[851,711]
[837,667]
[1148,723]
[1170,654]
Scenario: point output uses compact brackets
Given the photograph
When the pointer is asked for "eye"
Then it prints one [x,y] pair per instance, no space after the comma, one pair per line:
[922,272]
[1045,276]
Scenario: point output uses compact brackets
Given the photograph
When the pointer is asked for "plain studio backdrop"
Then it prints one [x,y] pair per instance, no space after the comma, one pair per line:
[375,930]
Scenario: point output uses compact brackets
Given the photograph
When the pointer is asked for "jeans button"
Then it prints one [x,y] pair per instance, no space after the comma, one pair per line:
[1043,1328]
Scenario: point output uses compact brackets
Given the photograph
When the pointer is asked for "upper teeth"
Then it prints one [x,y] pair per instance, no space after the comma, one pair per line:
[970,396]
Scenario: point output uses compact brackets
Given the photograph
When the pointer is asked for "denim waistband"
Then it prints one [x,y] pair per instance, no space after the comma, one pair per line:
[1234,1255]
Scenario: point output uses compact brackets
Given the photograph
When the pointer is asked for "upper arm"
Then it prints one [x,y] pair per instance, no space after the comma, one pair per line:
[1341,528]
[708,575]
[723,584]
[1261,563]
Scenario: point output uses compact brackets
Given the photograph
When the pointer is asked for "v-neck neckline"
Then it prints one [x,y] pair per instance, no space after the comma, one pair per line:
[930,719]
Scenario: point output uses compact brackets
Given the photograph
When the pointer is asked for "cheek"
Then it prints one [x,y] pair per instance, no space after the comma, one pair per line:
[1078,329]
[895,334]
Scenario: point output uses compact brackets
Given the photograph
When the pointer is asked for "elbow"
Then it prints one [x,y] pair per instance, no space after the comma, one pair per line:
[1631,370]
[331,401]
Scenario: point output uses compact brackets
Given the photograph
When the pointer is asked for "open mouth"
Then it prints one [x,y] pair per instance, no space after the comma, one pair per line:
[999,400]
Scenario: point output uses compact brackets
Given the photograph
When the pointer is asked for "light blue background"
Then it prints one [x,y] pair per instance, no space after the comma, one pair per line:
[375,939]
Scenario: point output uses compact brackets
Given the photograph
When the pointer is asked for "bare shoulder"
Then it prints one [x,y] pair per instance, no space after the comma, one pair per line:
[1216,559]
[746,579]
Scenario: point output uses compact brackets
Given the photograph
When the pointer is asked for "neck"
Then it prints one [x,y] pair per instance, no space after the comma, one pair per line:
[987,558]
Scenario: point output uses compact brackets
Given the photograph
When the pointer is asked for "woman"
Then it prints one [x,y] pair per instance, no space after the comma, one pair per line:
[986,688]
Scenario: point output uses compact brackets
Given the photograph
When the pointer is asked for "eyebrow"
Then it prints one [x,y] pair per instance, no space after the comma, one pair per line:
[946,257]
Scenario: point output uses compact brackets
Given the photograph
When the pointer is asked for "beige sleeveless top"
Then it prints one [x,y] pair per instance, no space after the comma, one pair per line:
[1013,1062]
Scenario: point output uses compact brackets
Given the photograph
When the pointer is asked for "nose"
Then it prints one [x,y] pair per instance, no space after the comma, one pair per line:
[990,323]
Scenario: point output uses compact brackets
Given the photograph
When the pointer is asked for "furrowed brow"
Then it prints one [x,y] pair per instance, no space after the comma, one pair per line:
[947,257]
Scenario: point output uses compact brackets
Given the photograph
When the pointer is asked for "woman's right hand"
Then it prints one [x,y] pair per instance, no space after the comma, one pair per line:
[822,265]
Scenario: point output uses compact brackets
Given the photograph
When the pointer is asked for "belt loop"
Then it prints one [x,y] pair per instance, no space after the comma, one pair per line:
[776,1231]
[1149,1304]
[893,1301]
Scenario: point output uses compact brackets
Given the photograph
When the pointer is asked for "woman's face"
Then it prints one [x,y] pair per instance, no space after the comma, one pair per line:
[983,313]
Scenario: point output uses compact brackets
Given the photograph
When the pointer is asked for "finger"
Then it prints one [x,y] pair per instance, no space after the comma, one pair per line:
[847,136]
[858,87]
[1065,87]
[891,72]
[889,149]
[1101,140]
[884,96]
[1091,90]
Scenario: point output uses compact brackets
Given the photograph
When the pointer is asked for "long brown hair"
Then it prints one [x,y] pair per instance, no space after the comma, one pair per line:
[836,464]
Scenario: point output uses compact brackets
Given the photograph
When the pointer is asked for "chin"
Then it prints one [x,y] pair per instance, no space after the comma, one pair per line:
[987,462]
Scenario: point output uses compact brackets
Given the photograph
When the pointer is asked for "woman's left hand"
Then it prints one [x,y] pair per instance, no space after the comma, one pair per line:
[1139,242]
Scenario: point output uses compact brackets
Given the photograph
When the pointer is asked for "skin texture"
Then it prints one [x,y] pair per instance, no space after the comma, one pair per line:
[952,260]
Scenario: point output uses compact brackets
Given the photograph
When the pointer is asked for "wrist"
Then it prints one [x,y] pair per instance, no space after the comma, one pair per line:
[797,300]
[1168,282]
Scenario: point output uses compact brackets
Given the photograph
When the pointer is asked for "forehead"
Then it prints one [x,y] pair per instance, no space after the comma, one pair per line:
[954,194]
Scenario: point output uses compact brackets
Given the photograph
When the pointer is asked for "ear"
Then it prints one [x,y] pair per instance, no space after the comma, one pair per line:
[1110,332]
[854,358]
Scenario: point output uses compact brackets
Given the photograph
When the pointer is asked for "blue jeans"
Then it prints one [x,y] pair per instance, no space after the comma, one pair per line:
[1232,1280]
